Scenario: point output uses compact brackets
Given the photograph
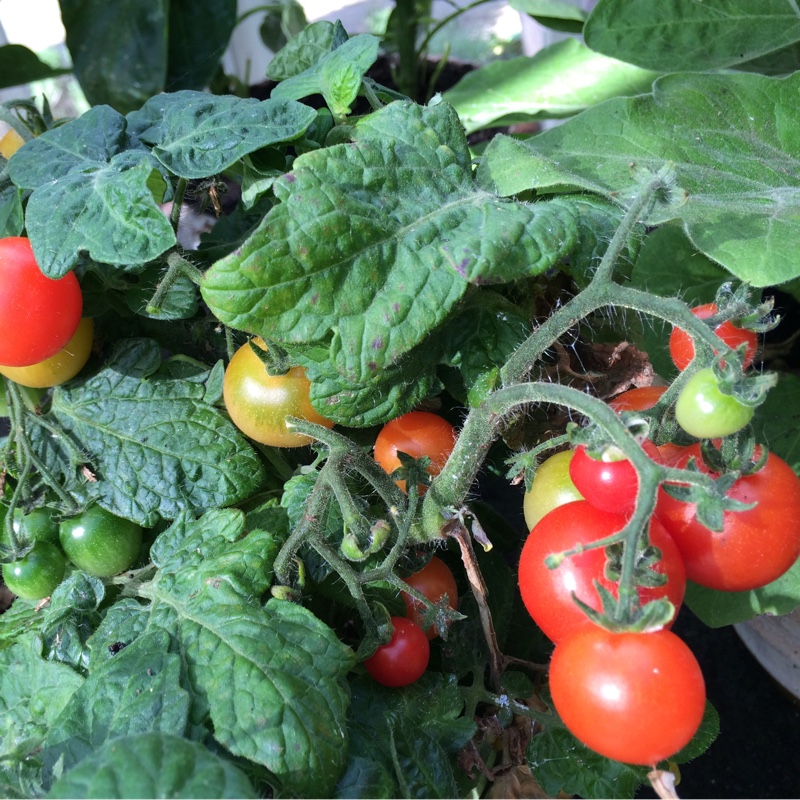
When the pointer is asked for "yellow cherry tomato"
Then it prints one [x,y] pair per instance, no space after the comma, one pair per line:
[551,487]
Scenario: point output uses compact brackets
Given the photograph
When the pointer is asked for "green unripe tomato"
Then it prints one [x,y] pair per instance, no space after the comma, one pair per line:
[99,543]
[552,486]
[704,411]
[38,526]
[35,576]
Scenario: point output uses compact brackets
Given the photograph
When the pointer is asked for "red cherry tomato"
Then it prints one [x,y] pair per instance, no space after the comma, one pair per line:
[755,547]
[547,593]
[434,581]
[632,697]
[418,433]
[639,399]
[609,484]
[404,658]
[38,315]
[682,350]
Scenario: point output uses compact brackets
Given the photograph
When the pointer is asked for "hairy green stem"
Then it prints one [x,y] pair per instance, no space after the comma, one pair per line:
[177,266]
[177,203]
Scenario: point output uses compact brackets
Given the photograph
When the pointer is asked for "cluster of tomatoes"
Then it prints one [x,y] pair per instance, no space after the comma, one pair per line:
[94,541]
[609,686]
[45,341]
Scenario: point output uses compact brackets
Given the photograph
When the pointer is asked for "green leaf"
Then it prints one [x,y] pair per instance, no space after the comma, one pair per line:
[306,49]
[404,741]
[195,134]
[687,35]
[375,242]
[33,693]
[562,764]
[734,141]
[336,75]
[558,81]
[198,36]
[717,609]
[137,691]
[777,421]
[19,65]
[153,765]
[556,14]
[119,49]
[155,445]
[90,193]
[12,220]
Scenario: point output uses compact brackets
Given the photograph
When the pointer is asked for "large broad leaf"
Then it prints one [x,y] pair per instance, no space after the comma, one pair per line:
[375,242]
[91,193]
[272,677]
[136,691]
[734,141]
[691,35]
[153,765]
[197,134]
[556,14]
[119,49]
[559,81]
[156,445]
[18,65]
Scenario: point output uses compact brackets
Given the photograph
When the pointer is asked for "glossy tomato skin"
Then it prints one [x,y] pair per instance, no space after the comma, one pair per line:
[99,543]
[38,315]
[404,658]
[61,367]
[37,574]
[418,433]
[682,350]
[551,487]
[702,410]
[755,547]
[610,485]
[258,403]
[639,399]
[632,697]
[547,593]
[434,581]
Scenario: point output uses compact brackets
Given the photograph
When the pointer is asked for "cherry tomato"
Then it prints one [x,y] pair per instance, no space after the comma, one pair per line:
[609,483]
[547,593]
[404,658]
[57,369]
[99,543]
[632,697]
[551,487]
[418,433]
[434,581]
[259,403]
[704,411]
[37,574]
[37,526]
[639,399]
[38,315]
[754,547]
[682,350]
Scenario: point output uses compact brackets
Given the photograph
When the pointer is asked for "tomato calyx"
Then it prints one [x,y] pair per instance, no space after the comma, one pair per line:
[275,359]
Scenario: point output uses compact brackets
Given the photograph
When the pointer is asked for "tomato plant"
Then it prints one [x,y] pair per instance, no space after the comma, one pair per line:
[38,315]
[682,350]
[62,366]
[417,434]
[259,403]
[704,411]
[551,487]
[634,697]
[548,593]
[100,543]
[755,546]
[36,574]
[610,482]
[404,658]
[434,581]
